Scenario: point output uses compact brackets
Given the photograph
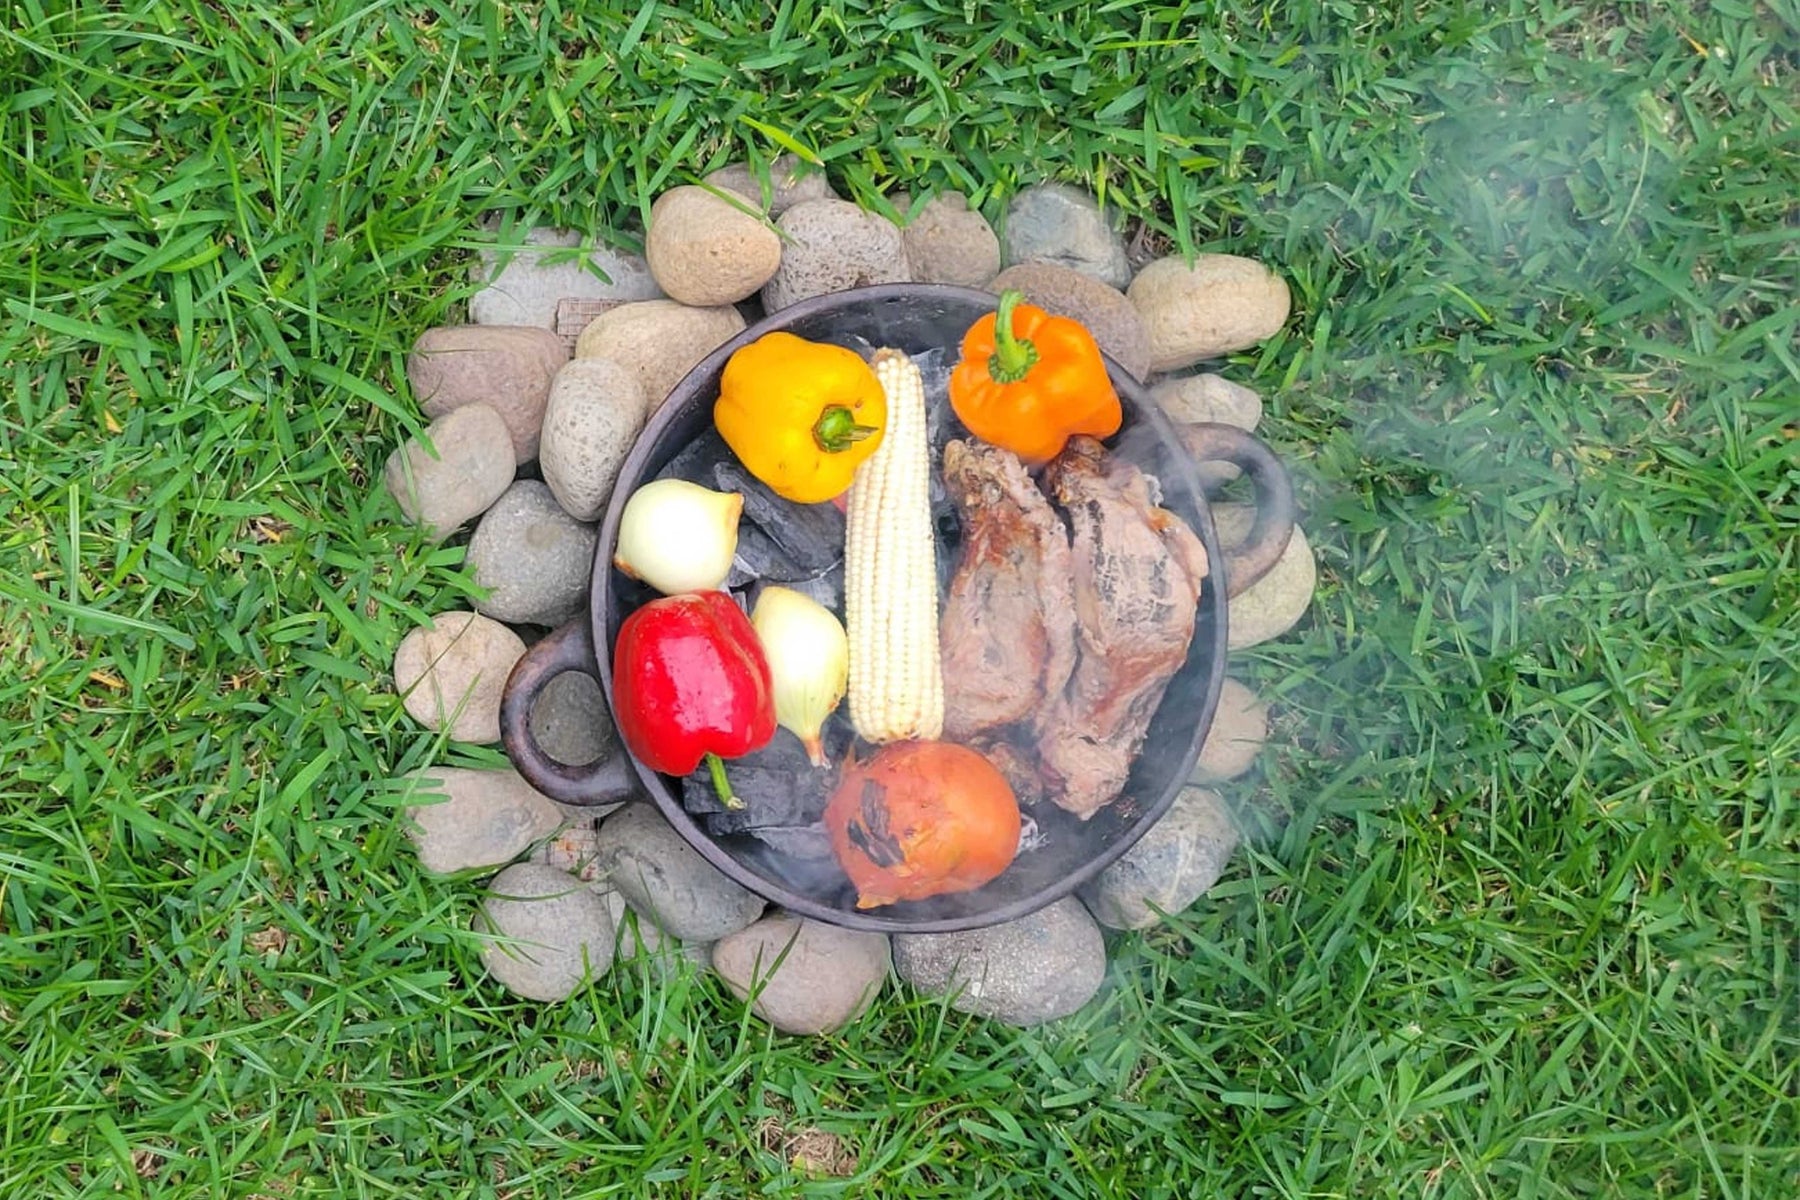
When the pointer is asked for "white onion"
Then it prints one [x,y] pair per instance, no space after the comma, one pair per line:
[677,536]
[809,660]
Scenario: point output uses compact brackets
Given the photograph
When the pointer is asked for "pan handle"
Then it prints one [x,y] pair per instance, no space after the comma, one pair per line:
[607,781]
[1274,525]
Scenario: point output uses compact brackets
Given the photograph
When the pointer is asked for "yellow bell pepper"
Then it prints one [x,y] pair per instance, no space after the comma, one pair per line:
[800,415]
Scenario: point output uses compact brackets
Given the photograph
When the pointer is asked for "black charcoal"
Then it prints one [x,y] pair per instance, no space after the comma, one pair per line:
[826,590]
[696,459]
[777,784]
[812,842]
[810,535]
[759,558]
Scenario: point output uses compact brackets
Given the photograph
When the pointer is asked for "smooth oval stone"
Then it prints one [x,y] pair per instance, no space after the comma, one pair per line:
[451,672]
[534,559]
[1057,223]
[570,721]
[507,367]
[1275,603]
[527,290]
[1038,968]
[1239,729]
[1223,303]
[464,818]
[807,977]
[665,879]
[659,341]
[706,251]
[1170,867]
[468,466]
[551,934]
[1209,398]
[949,242]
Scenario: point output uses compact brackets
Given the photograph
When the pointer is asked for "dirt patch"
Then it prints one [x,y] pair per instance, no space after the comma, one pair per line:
[808,1149]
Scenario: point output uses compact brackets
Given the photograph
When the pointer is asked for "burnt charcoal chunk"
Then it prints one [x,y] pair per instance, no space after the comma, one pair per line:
[696,459]
[747,820]
[760,558]
[810,535]
[774,792]
[826,590]
[778,784]
[798,841]
[740,577]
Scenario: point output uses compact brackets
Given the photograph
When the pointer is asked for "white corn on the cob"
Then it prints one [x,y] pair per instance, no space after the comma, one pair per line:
[890,565]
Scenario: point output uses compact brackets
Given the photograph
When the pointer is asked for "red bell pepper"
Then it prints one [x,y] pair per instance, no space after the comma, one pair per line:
[691,682]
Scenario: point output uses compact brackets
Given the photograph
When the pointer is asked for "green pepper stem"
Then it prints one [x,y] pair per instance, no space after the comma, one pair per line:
[722,785]
[1013,356]
[836,429]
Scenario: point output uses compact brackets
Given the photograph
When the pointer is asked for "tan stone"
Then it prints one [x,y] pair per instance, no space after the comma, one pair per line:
[659,341]
[507,367]
[451,672]
[705,251]
[1223,303]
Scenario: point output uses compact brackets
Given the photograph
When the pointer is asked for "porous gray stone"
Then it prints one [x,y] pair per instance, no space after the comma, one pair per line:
[468,465]
[575,847]
[664,878]
[463,818]
[1038,968]
[1170,867]
[1057,223]
[1104,310]
[528,288]
[949,242]
[451,672]
[507,367]
[832,245]
[534,559]
[659,341]
[548,933]
[597,409]
[791,181]
[807,977]
[706,251]
[1221,304]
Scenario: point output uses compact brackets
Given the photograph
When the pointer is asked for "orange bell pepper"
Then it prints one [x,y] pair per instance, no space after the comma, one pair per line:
[1028,382]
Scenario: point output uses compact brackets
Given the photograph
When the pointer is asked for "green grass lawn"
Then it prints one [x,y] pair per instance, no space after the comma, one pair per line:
[1518,916]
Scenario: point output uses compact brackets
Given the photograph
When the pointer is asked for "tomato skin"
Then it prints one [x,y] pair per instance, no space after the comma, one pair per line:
[922,819]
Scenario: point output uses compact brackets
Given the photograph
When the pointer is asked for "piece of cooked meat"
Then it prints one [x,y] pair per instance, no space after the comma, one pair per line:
[1006,635]
[1017,763]
[1137,571]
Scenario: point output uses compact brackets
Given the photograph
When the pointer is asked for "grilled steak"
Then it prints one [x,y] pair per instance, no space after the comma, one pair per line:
[1008,625]
[1137,571]
[1057,642]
